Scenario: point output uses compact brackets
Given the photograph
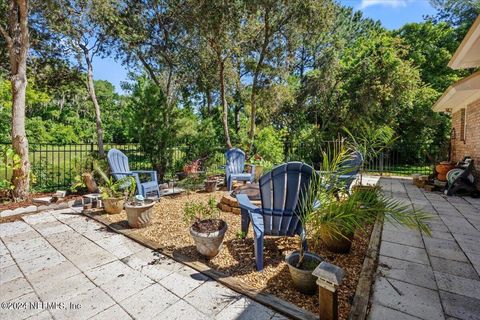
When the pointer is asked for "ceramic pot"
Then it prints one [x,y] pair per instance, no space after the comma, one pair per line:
[442,169]
[303,280]
[113,205]
[336,243]
[209,244]
[139,216]
[211,185]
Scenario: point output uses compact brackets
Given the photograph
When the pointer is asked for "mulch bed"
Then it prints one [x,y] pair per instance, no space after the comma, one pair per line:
[236,258]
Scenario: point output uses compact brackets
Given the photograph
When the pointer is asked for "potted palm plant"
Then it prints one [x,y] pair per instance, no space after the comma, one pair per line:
[337,217]
[115,192]
[207,230]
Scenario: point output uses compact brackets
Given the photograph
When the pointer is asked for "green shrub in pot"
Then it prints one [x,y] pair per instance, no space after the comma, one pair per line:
[114,192]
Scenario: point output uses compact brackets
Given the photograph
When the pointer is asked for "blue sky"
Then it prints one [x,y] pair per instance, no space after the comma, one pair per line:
[392,13]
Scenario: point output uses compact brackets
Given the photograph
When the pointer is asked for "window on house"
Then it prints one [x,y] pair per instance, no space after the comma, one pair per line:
[463,125]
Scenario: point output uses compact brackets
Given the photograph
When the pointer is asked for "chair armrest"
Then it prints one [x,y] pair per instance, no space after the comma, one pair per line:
[153,173]
[252,169]
[123,173]
[246,204]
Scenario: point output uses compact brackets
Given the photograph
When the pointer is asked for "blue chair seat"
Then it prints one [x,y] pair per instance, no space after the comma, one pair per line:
[118,162]
[235,167]
[242,176]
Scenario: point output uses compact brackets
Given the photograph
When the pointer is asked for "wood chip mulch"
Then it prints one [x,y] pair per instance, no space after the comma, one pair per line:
[237,259]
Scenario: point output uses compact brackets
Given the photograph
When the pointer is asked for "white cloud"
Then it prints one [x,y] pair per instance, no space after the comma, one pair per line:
[387,3]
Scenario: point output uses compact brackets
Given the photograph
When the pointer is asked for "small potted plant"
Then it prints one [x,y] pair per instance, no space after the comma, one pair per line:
[113,192]
[206,230]
[301,263]
[139,211]
[211,183]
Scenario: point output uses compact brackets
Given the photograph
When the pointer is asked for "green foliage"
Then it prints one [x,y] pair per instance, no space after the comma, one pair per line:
[9,162]
[269,145]
[194,212]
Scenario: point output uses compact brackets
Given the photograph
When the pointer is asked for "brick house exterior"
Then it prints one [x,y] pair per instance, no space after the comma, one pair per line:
[466,135]
[462,100]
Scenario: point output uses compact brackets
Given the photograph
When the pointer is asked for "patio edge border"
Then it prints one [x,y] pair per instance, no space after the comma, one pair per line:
[269,300]
[361,299]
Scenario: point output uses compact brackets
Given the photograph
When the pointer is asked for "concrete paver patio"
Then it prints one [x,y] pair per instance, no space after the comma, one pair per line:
[74,268]
[437,277]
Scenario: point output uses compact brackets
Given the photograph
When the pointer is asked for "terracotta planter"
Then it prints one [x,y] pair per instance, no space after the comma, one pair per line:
[211,185]
[113,205]
[139,216]
[442,169]
[209,244]
[336,243]
[303,280]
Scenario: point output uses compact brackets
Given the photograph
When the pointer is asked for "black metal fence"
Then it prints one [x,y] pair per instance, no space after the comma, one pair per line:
[56,166]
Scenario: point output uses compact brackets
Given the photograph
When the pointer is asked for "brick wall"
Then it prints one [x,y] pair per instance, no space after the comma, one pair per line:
[471,145]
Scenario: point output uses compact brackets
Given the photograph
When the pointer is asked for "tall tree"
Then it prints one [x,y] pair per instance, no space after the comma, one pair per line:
[76,22]
[16,35]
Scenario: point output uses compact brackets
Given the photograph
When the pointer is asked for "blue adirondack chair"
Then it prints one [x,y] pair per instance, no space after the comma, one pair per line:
[281,190]
[118,162]
[349,170]
[236,166]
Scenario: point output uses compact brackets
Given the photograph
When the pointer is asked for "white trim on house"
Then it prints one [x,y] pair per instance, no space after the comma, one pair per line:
[468,53]
[459,95]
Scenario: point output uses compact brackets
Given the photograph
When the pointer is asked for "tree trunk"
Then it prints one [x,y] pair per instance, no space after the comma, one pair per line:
[17,39]
[93,96]
[221,66]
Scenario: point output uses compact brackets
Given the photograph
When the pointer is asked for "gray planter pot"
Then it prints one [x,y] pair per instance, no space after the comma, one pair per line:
[209,244]
[139,216]
[303,280]
[211,185]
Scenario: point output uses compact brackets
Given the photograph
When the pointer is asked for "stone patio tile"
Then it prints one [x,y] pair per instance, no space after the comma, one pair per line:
[444,249]
[6,260]
[440,235]
[414,273]
[403,252]
[57,272]
[414,300]
[44,315]
[181,310]
[88,260]
[460,225]
[458,285]
[108,272]
[13,228]
[14,288]
[56,290]
[34,253]
[278,316]
[413,239]
[468,243]
[9,273]
[28,244]
[149,302]
[183,281]
[437,226]
[212,297]
[245,309]
[115,312]
[153,264]
[126,249]
[22,313]
[48,228]
[459,306]
[41,263]
[126,285]
[379,312]
[475,259]
[112,241]
[457,268]
[39,218]
[91,303]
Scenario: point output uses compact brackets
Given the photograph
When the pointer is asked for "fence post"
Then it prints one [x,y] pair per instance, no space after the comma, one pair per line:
[381,164]
[91,153]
